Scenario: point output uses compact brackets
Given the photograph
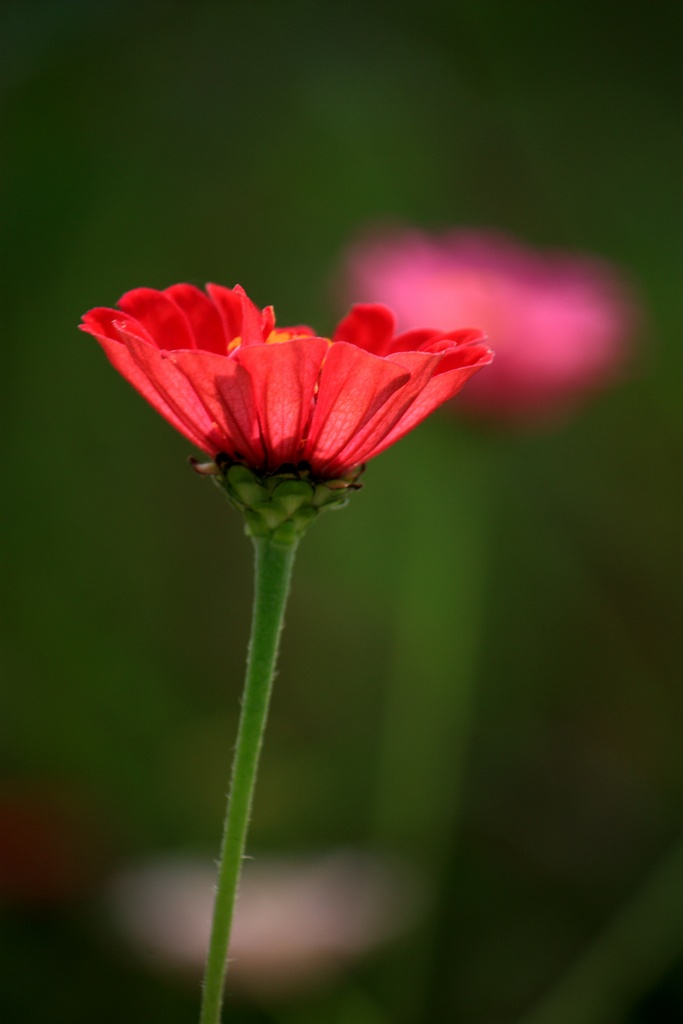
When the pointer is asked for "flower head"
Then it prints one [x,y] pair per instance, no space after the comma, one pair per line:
[560,325]
[258,398]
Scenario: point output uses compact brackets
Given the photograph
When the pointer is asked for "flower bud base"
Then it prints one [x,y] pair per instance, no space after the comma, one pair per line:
[279,506]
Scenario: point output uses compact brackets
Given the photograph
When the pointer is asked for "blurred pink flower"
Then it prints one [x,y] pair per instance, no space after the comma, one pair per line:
[561,325]
[298,922]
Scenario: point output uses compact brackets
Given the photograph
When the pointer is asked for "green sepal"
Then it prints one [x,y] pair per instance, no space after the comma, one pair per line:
[255,524]
[292,495]
[280,505]
[245,485]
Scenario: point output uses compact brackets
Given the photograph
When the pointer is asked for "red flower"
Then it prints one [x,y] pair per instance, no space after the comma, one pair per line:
[217,368]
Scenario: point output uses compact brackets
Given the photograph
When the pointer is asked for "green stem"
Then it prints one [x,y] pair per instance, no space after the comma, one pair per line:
[273,572]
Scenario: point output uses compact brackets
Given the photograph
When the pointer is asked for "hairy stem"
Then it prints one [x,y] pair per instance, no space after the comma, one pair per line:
[273,572]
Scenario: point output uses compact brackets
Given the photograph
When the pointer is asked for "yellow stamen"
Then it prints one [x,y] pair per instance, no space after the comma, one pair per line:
[276,337]
[280,334]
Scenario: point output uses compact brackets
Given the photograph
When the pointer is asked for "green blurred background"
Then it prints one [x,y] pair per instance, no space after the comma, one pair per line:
[480,673]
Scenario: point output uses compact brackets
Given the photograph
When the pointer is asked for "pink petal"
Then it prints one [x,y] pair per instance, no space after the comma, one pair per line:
[165,323]
[369,326]
[203,317]
[284,377]
[354,384]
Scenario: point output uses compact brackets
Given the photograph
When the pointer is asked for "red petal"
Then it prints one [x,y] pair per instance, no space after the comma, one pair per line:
[227,393]
[421,367]
[267,320]
[448,341]
[415,340]
[202,315]
[165,323]
[283,377]
[354,384]
[229,305]
[370,326]
[252,320]
[99,323]
[454,371]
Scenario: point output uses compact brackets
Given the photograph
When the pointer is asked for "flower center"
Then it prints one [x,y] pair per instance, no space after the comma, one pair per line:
[276,337]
